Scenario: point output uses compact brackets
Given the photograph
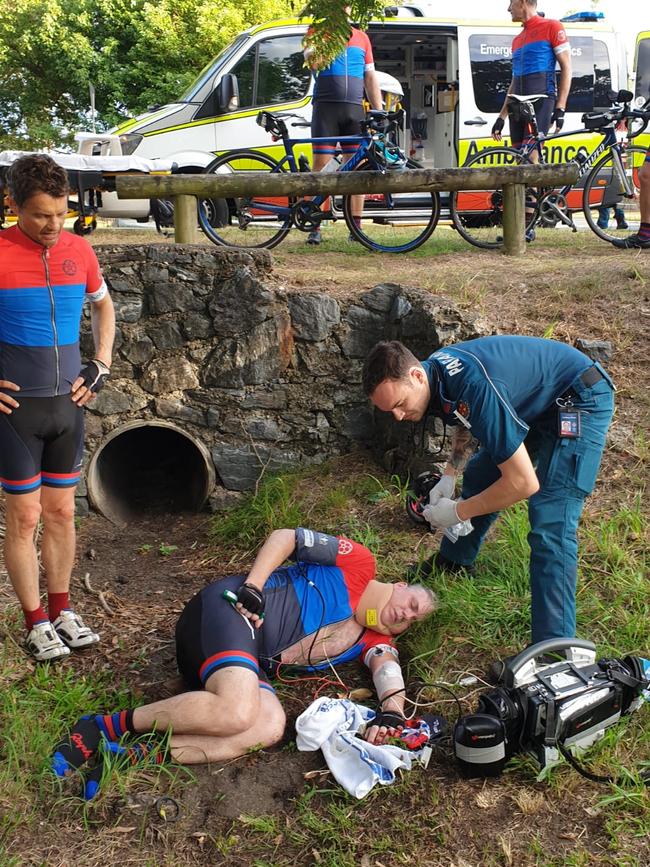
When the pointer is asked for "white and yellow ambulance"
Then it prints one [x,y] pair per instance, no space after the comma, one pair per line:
[454,74]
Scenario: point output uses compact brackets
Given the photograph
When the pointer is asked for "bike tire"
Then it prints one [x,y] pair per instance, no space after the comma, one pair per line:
[250,225]
[477,215]
[603,189]
[400,235]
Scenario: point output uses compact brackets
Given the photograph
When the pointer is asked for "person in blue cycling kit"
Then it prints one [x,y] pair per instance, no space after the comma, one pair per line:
[325,609]
[535,51]
[337,103]
[46,275]
[540,410]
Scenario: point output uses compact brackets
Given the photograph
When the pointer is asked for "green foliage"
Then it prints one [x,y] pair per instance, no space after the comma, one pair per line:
[134,53]
[331,29]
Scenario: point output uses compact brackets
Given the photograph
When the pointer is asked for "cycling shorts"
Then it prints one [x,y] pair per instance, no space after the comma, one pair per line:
[519,131]
[335,119]
[41,443]
[211,634]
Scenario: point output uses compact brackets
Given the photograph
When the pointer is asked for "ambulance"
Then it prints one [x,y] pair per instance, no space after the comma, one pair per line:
[454,74]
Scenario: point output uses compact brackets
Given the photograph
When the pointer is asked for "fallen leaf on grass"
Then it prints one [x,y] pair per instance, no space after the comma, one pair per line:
[310,775]
[361,694]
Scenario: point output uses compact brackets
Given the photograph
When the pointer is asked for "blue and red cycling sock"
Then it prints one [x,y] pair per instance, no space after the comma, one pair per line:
[644,231]
[79,747]
[115,726]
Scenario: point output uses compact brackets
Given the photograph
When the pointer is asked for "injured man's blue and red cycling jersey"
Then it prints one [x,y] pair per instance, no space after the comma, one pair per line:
[322,588]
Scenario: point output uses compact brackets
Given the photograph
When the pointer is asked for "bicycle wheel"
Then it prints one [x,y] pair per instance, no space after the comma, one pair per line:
[478,214]
[251,220]
[609,210]
[393,222]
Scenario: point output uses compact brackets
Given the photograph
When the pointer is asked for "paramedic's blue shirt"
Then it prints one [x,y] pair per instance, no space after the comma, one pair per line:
[504,383]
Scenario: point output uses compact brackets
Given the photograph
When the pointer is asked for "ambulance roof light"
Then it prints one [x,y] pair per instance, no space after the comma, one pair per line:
[584,16]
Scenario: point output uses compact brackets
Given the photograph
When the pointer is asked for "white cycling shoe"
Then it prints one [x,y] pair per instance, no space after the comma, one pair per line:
[73,631]
[44,643]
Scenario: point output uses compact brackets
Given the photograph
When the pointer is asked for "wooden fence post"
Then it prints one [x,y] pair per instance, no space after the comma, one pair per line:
[185,218]
[514,219]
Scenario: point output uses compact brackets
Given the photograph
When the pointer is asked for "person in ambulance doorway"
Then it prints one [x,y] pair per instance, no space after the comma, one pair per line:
[540,410]
[46,275]
[237,632]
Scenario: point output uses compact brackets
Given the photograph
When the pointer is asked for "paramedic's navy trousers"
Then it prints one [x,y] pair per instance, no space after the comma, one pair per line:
[567,470]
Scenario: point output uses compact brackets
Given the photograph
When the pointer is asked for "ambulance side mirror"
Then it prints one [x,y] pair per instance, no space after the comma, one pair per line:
[227,93]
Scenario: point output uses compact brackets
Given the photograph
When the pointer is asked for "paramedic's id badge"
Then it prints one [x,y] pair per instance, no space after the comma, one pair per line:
[568,424]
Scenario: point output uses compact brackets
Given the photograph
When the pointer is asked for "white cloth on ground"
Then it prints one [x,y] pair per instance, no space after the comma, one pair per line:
[330,724]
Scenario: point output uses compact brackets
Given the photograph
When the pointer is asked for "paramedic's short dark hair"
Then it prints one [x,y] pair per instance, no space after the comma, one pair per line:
[36,173]
[388,359]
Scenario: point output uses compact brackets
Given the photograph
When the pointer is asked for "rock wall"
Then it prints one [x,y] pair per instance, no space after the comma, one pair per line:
[263,376]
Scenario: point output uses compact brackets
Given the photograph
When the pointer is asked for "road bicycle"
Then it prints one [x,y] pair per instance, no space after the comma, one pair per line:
[391,222]
[608,178]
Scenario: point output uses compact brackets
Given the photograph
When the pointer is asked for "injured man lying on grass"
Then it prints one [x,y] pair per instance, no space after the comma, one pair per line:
[326,608]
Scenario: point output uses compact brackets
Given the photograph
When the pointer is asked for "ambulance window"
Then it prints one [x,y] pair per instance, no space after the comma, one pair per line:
[583,60]
[602,75]
[282,75]
[245,72]
[491,63]
[643,69]
[272,72]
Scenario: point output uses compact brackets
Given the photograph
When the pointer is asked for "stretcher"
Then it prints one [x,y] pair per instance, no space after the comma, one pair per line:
[92,181]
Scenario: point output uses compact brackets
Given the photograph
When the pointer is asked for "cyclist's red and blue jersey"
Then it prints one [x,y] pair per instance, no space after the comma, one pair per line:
[322,588]
[534,51]
[342,80]
[42,291]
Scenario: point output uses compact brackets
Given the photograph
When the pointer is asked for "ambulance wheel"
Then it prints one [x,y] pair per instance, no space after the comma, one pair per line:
[216,212]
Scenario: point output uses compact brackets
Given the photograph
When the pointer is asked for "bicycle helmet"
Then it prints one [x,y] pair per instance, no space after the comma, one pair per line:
[391,91]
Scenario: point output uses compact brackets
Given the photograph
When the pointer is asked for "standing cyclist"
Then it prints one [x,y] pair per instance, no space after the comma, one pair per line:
[45,276]
[535,51]
[338,104]
[641,239]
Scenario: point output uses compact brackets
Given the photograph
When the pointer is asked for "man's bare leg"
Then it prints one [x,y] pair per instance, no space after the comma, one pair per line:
[223,721]
[22,515]
[267,730]
[59,537]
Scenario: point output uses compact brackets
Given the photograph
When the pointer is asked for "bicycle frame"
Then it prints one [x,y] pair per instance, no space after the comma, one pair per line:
[289,160]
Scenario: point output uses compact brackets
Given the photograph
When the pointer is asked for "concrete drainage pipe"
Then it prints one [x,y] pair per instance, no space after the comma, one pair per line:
[149,467]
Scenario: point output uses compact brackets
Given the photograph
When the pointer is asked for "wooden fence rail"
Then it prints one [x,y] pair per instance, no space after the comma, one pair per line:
[185,189]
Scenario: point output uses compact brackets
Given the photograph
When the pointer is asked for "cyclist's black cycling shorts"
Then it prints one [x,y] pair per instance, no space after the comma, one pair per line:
[211,634]
[41,443]
[335,119]
[519,128]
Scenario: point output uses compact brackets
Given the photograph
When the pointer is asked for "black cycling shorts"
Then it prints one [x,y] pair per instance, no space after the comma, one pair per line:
[211,634]
[41,443]
[519,128]
[335,119]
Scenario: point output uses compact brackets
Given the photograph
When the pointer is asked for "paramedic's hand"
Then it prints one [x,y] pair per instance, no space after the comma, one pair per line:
[443,514]
[557,118]
[250,602]
[499,123]
[386,724]
[444,488]
[7,403]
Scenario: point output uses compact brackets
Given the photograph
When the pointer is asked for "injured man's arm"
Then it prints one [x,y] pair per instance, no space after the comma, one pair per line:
[383,662]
